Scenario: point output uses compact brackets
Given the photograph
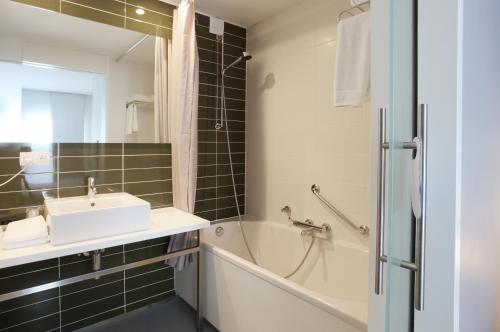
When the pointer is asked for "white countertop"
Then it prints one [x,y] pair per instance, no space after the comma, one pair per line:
[164,222]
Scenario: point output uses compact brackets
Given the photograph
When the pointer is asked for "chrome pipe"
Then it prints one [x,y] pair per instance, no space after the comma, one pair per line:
[379,238]
[363,229]
[95,275]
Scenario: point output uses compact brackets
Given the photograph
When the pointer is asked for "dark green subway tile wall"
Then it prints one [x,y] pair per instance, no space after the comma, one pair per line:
[157,18]
[214,194]
[143,170]
[140,169]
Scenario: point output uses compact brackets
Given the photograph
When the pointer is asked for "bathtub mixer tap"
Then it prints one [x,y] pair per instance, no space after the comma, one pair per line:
[307,225]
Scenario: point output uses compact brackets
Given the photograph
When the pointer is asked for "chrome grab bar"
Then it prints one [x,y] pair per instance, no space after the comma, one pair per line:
[363,229]
[418,202]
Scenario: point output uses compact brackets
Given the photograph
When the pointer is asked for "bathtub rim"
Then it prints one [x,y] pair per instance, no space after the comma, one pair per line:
[289,286]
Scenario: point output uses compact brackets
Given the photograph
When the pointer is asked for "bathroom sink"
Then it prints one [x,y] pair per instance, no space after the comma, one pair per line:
[82,218]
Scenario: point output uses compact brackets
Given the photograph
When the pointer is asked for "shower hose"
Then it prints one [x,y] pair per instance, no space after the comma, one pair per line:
[313,238]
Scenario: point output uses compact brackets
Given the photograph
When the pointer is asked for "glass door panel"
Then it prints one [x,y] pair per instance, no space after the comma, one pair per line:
[400,128]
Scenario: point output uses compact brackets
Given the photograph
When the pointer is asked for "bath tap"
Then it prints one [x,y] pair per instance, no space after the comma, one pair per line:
[92,190]
[307,225]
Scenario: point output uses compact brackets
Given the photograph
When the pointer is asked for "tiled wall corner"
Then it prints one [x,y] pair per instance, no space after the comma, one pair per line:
[214,195]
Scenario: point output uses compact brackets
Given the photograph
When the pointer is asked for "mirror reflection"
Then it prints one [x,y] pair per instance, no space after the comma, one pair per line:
[66,79]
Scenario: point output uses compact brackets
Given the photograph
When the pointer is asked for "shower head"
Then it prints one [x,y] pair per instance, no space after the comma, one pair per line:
[245,56]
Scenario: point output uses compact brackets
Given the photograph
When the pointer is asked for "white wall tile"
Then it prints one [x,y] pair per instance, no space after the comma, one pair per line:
[295,135]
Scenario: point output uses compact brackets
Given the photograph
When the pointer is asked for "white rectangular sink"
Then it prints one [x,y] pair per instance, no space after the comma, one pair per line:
[82,218]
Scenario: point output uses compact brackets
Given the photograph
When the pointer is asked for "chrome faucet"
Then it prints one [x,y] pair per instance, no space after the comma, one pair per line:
[307,225]
[92,190]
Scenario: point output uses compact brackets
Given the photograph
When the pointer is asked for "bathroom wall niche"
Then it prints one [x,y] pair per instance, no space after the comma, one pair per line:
[74,79]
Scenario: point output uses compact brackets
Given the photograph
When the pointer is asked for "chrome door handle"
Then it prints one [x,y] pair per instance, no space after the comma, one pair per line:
[379,245]
[420,209]
[418,203]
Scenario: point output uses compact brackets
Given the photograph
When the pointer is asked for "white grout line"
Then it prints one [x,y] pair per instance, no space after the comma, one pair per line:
[122,16]
[32,271]
[94,301]
[150,297]
[225,87]
[205,153]
[217,64]
[89,288]
[58,163]
[227,120]
[227,109]
[117,155]
[218,175]
[148,181]
[225,43]
[229,207]
[225,32]
[123,167]
[210,199]
[231,131]
[152,194]
[29,321]
[236,78]
[28,305]
[124,274]
[59,291]
[146,247]
[222,164]
[208,96]
[152,271]
[151,284]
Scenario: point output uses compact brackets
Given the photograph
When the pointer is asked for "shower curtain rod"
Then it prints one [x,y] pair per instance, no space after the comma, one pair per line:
[133,47]
[359,7]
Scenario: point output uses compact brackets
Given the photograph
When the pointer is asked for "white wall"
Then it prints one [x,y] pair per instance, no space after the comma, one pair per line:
[295,137]
[480,213]
[125,79]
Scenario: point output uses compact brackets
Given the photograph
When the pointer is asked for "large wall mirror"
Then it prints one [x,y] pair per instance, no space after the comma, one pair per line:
[68,79]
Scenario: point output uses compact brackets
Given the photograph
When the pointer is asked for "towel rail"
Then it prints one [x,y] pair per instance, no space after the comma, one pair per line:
[348,11]
[363,229]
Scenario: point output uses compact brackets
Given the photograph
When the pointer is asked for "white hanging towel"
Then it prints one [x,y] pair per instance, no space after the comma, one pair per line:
[25,233]
[132,124]
[352,64]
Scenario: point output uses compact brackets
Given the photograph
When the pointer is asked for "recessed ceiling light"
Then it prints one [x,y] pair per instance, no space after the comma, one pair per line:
[139,11]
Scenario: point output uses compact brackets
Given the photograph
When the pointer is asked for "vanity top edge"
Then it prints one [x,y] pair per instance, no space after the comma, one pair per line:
[163,222]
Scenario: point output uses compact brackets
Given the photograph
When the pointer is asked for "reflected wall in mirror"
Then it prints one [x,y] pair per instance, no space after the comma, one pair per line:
[67,79]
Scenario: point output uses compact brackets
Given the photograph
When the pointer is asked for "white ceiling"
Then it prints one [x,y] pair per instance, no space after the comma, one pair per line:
[33,24]
[242,12]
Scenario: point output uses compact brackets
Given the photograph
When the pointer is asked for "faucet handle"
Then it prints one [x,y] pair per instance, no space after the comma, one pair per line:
[288,210]
[91,182]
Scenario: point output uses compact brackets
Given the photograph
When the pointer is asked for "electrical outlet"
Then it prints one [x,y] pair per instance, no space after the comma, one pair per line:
[34,158]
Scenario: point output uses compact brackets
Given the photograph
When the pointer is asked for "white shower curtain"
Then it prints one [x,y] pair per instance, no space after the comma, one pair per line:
[163,49]
[184,120]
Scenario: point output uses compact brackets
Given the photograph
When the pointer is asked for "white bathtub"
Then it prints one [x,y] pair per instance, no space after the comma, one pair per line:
[329,293]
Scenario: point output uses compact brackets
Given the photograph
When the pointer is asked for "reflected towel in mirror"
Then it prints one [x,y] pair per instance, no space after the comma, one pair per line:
[132,124]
